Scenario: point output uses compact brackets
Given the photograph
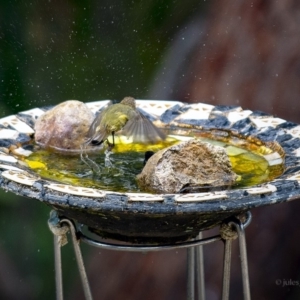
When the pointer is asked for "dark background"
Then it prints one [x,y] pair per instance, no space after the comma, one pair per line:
[234,52]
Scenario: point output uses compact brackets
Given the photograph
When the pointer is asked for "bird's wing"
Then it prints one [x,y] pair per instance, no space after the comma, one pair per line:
[143,130]
[96,133]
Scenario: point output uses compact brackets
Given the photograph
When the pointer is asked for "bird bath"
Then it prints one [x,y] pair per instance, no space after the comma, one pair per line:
[155,218]
[153,222]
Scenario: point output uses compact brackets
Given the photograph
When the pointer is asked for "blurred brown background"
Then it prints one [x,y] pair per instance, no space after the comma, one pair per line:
[232,52]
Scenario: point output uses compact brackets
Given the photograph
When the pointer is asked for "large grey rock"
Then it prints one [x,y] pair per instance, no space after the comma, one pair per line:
[191,163]
[64,127]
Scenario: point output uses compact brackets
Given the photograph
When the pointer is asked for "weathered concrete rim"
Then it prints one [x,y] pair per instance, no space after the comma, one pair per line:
[166,113]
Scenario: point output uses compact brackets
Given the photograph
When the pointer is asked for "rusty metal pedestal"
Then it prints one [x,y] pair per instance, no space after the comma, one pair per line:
[195,266]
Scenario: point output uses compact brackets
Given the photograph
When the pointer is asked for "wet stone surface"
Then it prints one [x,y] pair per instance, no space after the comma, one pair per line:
[64,127]
[187,164]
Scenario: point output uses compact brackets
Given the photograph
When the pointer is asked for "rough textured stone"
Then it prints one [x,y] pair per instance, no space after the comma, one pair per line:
[64,127]
[191,163]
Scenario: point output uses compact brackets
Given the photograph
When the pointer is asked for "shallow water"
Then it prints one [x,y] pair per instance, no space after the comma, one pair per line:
[127,161]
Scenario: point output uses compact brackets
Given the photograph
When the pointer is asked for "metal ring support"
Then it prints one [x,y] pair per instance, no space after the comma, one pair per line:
[143,248]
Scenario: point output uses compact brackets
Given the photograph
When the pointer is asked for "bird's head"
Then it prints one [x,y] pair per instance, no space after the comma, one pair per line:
[130,101]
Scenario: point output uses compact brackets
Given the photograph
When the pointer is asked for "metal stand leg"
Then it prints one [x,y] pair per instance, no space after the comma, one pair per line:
[226,269]
[190,273]
[200,270]
[230,231]
[195,267]
[244,262]
[58,269]
[59,229]
[81,268]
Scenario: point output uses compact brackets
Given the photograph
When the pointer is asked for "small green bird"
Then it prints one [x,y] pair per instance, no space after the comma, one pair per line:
[123,116]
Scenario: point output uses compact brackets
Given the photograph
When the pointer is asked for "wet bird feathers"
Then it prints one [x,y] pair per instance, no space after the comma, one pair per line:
[124,117]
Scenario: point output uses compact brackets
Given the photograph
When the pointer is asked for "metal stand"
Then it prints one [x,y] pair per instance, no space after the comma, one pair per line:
[195,264]
[234,229]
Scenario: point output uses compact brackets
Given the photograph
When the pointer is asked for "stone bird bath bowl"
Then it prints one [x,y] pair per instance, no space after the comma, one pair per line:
[159,218]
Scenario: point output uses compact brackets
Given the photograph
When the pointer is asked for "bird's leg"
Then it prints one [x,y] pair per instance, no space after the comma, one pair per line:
[110,146]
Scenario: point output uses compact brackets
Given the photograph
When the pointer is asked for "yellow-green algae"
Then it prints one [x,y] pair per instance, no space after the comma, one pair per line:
[246,156]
